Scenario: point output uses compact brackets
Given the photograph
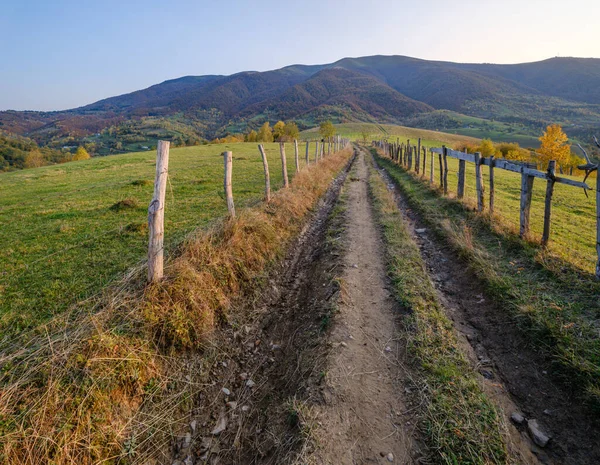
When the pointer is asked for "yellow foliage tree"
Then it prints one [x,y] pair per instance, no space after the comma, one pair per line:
[251,136]
[554,146]
[327,129]
[265,134]
[487,148]
[81,154]
[278,130]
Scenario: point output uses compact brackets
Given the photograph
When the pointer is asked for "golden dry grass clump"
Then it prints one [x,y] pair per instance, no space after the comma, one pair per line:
[104,387]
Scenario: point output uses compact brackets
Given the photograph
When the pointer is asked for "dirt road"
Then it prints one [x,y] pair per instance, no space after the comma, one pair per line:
[363,420]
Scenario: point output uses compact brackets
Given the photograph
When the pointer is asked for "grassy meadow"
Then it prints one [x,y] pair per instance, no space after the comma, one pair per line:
[69,230]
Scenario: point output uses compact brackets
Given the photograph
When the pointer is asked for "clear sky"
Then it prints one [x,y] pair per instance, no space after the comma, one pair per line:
[59,54]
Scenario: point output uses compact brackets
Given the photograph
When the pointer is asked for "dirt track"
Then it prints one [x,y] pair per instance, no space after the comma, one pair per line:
[333,394]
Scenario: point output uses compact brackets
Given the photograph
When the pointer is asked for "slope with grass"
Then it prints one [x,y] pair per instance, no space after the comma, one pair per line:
[71,229]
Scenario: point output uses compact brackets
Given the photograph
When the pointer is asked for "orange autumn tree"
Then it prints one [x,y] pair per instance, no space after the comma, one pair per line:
[555,146]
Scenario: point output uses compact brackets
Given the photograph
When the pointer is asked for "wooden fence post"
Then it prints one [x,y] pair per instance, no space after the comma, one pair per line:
[156,214]
[460,189]
[307,157]
[418,156]
[283,164]
[548,203]
[441,171]
[410,157]
[526,193]
[296,159]
[267,176]
[316,151]
[431,169]
[492,187]
[445,170]
[228,161]
[424,160]
[479,181]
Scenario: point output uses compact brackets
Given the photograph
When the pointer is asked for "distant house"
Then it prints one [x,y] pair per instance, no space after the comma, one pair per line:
[145,147]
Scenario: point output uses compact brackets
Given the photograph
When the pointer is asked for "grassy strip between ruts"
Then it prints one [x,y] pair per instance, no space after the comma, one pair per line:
[554,303]
[112,387]
[460,424]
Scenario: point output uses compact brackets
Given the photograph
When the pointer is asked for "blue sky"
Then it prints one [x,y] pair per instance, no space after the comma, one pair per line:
[63,53]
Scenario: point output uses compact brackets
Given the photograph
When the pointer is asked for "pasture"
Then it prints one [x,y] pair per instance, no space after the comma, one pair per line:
[69,230]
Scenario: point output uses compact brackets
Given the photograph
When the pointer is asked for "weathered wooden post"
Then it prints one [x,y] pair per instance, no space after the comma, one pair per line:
[410,157]
[296,159]
[316,151]
[460,189]
[479,182]
[267,176]
[283,164]
[329,146]
[418,156]
[492,187]
[156,214]
[548,203]
[424,160]
[431,169]
[307,157]
[228,162]
[526,193]
[441,171]
[445,150]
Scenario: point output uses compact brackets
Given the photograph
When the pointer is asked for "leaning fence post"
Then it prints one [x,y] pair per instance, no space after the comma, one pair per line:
[267,176]
[548,203]
[228,161]
[296,156]
[479,181]
[526,193]
[492,187]
[283,164]
[156,214]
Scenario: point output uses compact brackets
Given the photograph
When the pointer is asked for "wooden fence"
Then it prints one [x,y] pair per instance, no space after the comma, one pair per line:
[156,210]
[405,154]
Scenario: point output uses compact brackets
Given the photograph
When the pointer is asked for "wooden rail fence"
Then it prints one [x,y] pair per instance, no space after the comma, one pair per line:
[403,154]
[156,210]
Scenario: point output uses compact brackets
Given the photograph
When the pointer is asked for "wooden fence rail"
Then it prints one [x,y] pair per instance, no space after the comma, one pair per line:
[527,171]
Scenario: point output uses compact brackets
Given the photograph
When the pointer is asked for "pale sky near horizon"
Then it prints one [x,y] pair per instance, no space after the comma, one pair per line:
[66,53]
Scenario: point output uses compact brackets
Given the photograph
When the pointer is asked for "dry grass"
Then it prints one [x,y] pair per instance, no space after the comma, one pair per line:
[113,386]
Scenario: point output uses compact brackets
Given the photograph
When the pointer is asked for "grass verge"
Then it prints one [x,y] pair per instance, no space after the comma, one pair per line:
[111,386]
[552,301]
[460,424]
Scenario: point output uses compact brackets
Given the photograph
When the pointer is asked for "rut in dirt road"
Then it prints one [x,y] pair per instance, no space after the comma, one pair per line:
[362,420]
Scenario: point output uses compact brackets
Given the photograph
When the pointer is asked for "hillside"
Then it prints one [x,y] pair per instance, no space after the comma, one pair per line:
[391,89]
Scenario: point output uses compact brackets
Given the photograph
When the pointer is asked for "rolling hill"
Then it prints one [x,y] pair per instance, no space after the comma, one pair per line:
[387,89]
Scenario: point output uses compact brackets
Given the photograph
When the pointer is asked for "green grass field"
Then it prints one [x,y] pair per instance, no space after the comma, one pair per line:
[573,227]
[354,131]
[65,238]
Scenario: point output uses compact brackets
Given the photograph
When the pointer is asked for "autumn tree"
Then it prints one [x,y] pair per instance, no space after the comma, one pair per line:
[291,131]
[265,134]
[487,148]
[278,130]
[34,159]
[251,136]
[554,146]
[327,129]
[81,154]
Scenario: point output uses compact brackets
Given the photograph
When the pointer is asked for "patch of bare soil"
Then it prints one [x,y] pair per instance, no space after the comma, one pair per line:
[364,417]
[515,374]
